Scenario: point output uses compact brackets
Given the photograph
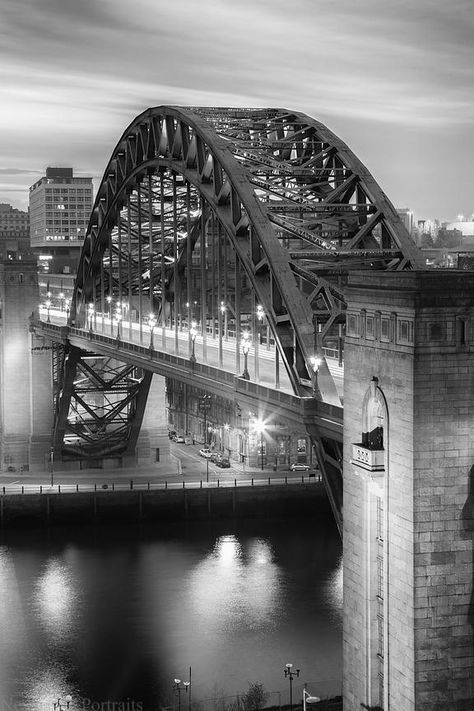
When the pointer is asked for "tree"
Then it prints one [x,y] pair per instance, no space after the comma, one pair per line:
[426,241]
[448,238]
[255,698]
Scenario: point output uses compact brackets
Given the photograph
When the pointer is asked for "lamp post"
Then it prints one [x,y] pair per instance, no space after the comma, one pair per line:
[193,334]
[178,687]
[226,430]
[315,363]
[260,313]
[151,326]
[66,304]
[289,674]
[58,705]
[48,307]
[91,316]
[118,318]
[259,427]
[245,351]
[51,464]
[205,406]
[222,311]
[308,699]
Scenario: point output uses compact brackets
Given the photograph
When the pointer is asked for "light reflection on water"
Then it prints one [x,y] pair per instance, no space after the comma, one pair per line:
[116,614]
[235,589]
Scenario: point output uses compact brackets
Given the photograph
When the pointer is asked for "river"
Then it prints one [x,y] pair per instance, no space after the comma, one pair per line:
[112,615]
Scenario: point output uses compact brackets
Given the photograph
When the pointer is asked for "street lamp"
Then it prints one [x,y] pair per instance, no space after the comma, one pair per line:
[151,326]
[193,334]
[48,307]
[58,705]
[66,304]
[315,362]
[245,351]
[118,318]
[221,327]
[260,315]
[91,316]
[178,687]
[51,464]
[289,674]
[308,699]
[225,442]
[205,406]
[259,427]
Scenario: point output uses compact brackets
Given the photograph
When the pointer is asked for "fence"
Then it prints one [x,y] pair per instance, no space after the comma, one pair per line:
[154,486]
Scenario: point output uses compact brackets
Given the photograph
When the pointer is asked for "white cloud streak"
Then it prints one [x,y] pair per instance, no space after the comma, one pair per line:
[74,73]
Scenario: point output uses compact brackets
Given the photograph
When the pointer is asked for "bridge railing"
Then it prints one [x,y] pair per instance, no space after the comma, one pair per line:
[28,489]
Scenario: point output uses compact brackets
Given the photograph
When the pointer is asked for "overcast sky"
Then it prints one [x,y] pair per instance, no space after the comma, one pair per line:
[393,78]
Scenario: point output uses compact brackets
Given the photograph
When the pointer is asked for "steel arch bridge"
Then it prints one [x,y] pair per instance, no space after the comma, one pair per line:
[213,214]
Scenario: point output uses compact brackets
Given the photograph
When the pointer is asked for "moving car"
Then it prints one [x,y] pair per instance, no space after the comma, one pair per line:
[299,467]
[179,440]
[205,452]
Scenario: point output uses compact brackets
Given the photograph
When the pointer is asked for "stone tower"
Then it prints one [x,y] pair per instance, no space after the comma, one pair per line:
[25,371]
[409,492]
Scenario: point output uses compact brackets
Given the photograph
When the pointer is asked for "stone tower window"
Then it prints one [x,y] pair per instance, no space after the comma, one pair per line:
[373,416]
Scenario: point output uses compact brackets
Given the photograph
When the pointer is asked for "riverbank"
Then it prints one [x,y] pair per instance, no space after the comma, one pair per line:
[147,505]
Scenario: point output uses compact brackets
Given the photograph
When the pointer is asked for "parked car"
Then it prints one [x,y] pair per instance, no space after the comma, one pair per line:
[179,439]
[223,462]
[172,434]
[205,452]
[299,467]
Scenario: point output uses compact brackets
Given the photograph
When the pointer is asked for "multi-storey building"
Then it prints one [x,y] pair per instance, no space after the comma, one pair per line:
[14,232]
[60,206]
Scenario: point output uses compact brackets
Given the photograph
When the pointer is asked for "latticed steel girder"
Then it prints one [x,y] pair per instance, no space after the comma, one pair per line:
[99,405]
[204,207]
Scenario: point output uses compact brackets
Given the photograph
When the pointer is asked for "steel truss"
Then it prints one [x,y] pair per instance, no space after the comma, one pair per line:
[99,405]
[204,208]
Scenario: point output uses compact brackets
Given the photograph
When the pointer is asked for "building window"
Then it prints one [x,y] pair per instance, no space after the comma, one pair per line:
[379,519]
[380,577]
[373,416]
[369,326]
[352,325]
[385,329]
[436,332]
[405,331]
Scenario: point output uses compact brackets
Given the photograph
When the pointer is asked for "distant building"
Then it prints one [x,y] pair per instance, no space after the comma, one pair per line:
[466,227]
[60,207]
[14,232]
[407,218]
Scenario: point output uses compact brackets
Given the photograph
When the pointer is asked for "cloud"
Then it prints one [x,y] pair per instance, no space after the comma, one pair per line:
[74,74]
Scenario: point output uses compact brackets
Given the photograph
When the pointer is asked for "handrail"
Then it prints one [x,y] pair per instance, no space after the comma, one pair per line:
[116,487]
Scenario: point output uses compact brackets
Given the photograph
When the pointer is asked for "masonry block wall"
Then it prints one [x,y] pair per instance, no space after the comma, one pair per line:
[19,297]
[153,442]
[414,332]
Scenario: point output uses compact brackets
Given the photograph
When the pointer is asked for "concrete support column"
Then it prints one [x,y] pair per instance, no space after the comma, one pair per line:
[153,439]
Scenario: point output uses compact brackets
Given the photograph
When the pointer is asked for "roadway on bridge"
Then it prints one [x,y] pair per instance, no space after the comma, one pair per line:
[214,351]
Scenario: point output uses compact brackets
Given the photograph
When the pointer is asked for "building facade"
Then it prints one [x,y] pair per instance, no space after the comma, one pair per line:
[60,207]
[14,232]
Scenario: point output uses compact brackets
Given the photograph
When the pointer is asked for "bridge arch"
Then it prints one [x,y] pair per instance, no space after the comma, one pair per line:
[237,220]
[276,182]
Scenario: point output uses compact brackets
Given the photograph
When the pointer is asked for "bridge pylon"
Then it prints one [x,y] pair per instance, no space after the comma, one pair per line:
[25,367]
[408,492]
